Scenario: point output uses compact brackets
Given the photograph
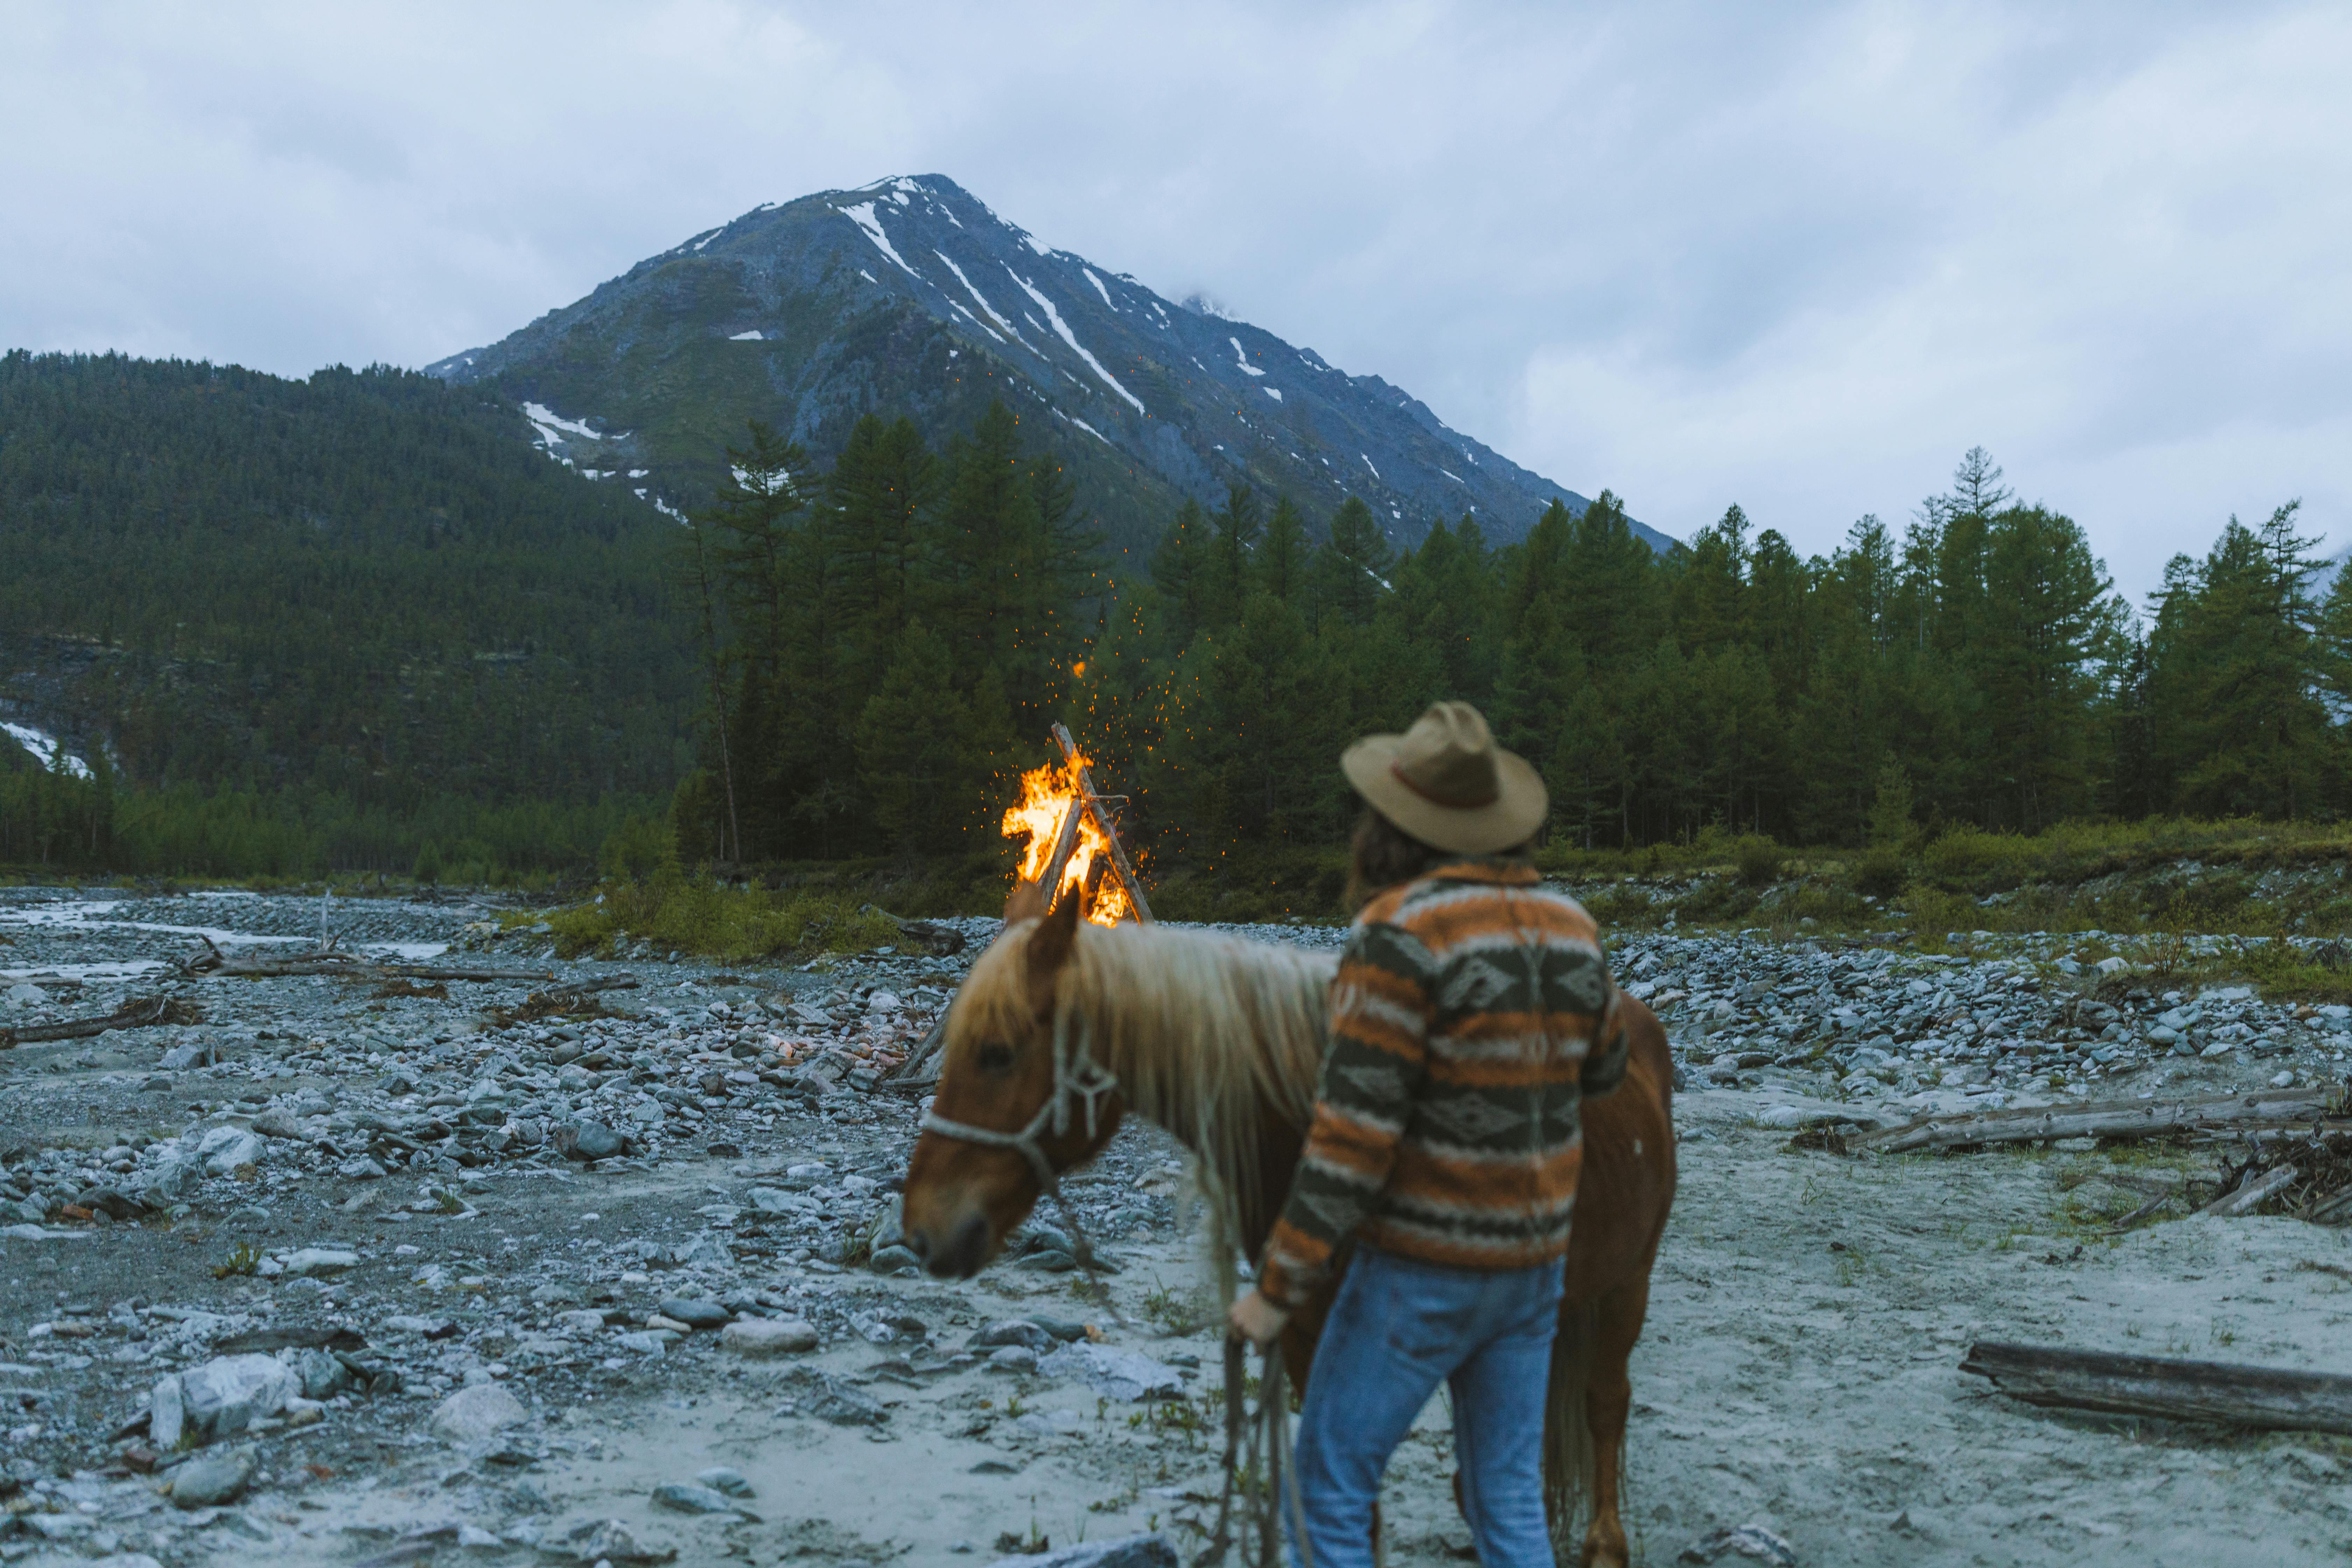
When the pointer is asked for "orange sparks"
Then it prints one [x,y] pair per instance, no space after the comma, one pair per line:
[1047,793]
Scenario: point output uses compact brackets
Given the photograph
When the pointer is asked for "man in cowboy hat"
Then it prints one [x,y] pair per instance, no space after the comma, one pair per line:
[1470,1015]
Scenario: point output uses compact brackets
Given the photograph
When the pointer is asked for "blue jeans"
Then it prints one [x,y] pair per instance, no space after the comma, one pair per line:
[1396,1330]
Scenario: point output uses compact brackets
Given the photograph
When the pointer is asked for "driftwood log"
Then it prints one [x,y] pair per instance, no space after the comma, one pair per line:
[140,1013]
[2267,1397]
[2270,1110]
[214,963]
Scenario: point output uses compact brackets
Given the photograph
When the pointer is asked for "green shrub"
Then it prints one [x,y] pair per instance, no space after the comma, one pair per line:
[641,849]
[428,864]
[1760,860]
[1879,872]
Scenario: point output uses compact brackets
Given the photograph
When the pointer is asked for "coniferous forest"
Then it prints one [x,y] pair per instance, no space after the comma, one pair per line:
[358,623]
[888,642]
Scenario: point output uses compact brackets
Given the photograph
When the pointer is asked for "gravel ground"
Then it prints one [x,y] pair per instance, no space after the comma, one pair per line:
[488,1347]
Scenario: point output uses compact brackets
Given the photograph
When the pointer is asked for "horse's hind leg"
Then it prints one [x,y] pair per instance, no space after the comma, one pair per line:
[1609,1398]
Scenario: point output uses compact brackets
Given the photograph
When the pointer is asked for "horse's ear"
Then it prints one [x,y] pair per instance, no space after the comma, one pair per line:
[1025,901]
[1056,935]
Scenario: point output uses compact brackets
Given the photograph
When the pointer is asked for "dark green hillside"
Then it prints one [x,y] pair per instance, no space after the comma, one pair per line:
[366,584]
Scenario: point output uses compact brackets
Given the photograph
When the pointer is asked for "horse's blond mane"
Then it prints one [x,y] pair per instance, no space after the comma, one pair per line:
[1205,1033]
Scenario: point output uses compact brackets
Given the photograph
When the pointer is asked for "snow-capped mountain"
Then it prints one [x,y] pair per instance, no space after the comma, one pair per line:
[910,295]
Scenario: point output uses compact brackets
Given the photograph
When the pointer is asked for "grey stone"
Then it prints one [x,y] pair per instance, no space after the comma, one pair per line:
[1755,1541]
[694,1313]
[587,1141]
[1114,1373]
[1153,1549]
[214,1479]
[611,1540]
[1011,1331]
[224,1149]
[683,1499]
[890,1259]
[323,1375]
[219,1399]
[276,1124]
[166,1414]
[836,1402]
[361,1168]
[186,1054]
[767,1336]
[775,1200]
[320,1260]
[1013,1358]
[476,1411]
[731,1482]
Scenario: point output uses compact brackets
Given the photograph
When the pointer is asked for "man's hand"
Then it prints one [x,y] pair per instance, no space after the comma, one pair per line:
[1257,1320]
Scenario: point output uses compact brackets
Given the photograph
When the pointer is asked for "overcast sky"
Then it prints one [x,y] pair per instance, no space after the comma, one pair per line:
[1798,258]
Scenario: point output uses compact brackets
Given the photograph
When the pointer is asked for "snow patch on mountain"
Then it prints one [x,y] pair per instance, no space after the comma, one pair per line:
[862,214]
[45,751]
[983,298]
[1062,329]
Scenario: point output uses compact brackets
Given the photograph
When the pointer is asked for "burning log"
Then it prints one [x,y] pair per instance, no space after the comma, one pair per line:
[1071,834]
[1127,875]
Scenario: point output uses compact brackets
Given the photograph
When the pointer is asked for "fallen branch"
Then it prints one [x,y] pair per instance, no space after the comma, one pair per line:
[2302,1107]
[491,976]
[2250,1194]
[141,1013]
[911,1071]
[575,1001]
[2267,1397]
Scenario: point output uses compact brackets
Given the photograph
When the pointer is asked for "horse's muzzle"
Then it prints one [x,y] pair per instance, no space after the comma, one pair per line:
[960,1257]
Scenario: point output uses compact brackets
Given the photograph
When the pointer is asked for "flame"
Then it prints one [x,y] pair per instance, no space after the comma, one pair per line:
[1046,796]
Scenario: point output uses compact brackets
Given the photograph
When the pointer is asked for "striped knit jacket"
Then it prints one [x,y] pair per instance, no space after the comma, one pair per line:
[1447,1127]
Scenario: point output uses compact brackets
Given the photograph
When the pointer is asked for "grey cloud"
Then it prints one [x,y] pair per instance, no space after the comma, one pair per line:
[1797,257]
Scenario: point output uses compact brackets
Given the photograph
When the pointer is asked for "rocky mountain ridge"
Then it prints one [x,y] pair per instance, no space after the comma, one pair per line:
[911,296]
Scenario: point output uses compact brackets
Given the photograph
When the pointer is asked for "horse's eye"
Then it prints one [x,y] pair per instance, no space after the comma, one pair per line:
[995,1059]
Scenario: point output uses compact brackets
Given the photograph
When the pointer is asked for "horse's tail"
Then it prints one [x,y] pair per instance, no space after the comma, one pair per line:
[1568,1434]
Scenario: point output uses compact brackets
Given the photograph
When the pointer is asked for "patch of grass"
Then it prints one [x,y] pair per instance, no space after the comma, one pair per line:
[709,919]
[244,1260]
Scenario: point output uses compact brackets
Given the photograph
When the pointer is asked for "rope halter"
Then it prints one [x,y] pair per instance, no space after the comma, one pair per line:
[1079,1080]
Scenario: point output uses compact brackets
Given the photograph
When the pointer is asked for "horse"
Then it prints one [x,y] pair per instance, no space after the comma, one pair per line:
[1062,1027]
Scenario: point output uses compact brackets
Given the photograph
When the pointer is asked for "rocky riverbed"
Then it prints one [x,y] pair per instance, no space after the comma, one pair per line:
[352,1272]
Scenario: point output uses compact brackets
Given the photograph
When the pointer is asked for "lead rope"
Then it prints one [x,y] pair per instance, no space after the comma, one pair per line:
[1079,1077]
[1261,1448]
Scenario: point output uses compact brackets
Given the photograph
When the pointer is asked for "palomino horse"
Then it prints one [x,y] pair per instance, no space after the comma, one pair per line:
[1062,1028]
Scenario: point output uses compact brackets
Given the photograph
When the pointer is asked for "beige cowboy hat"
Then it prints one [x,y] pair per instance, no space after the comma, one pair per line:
[1448,783]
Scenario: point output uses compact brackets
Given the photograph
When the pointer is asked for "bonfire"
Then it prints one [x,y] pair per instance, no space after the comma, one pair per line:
[1070,834]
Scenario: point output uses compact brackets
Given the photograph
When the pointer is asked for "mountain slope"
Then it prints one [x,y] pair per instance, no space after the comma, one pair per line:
[362,583]
[910,295]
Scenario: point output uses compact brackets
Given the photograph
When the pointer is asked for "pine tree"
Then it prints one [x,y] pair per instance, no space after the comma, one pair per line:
[1353,565]
[1282,555]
